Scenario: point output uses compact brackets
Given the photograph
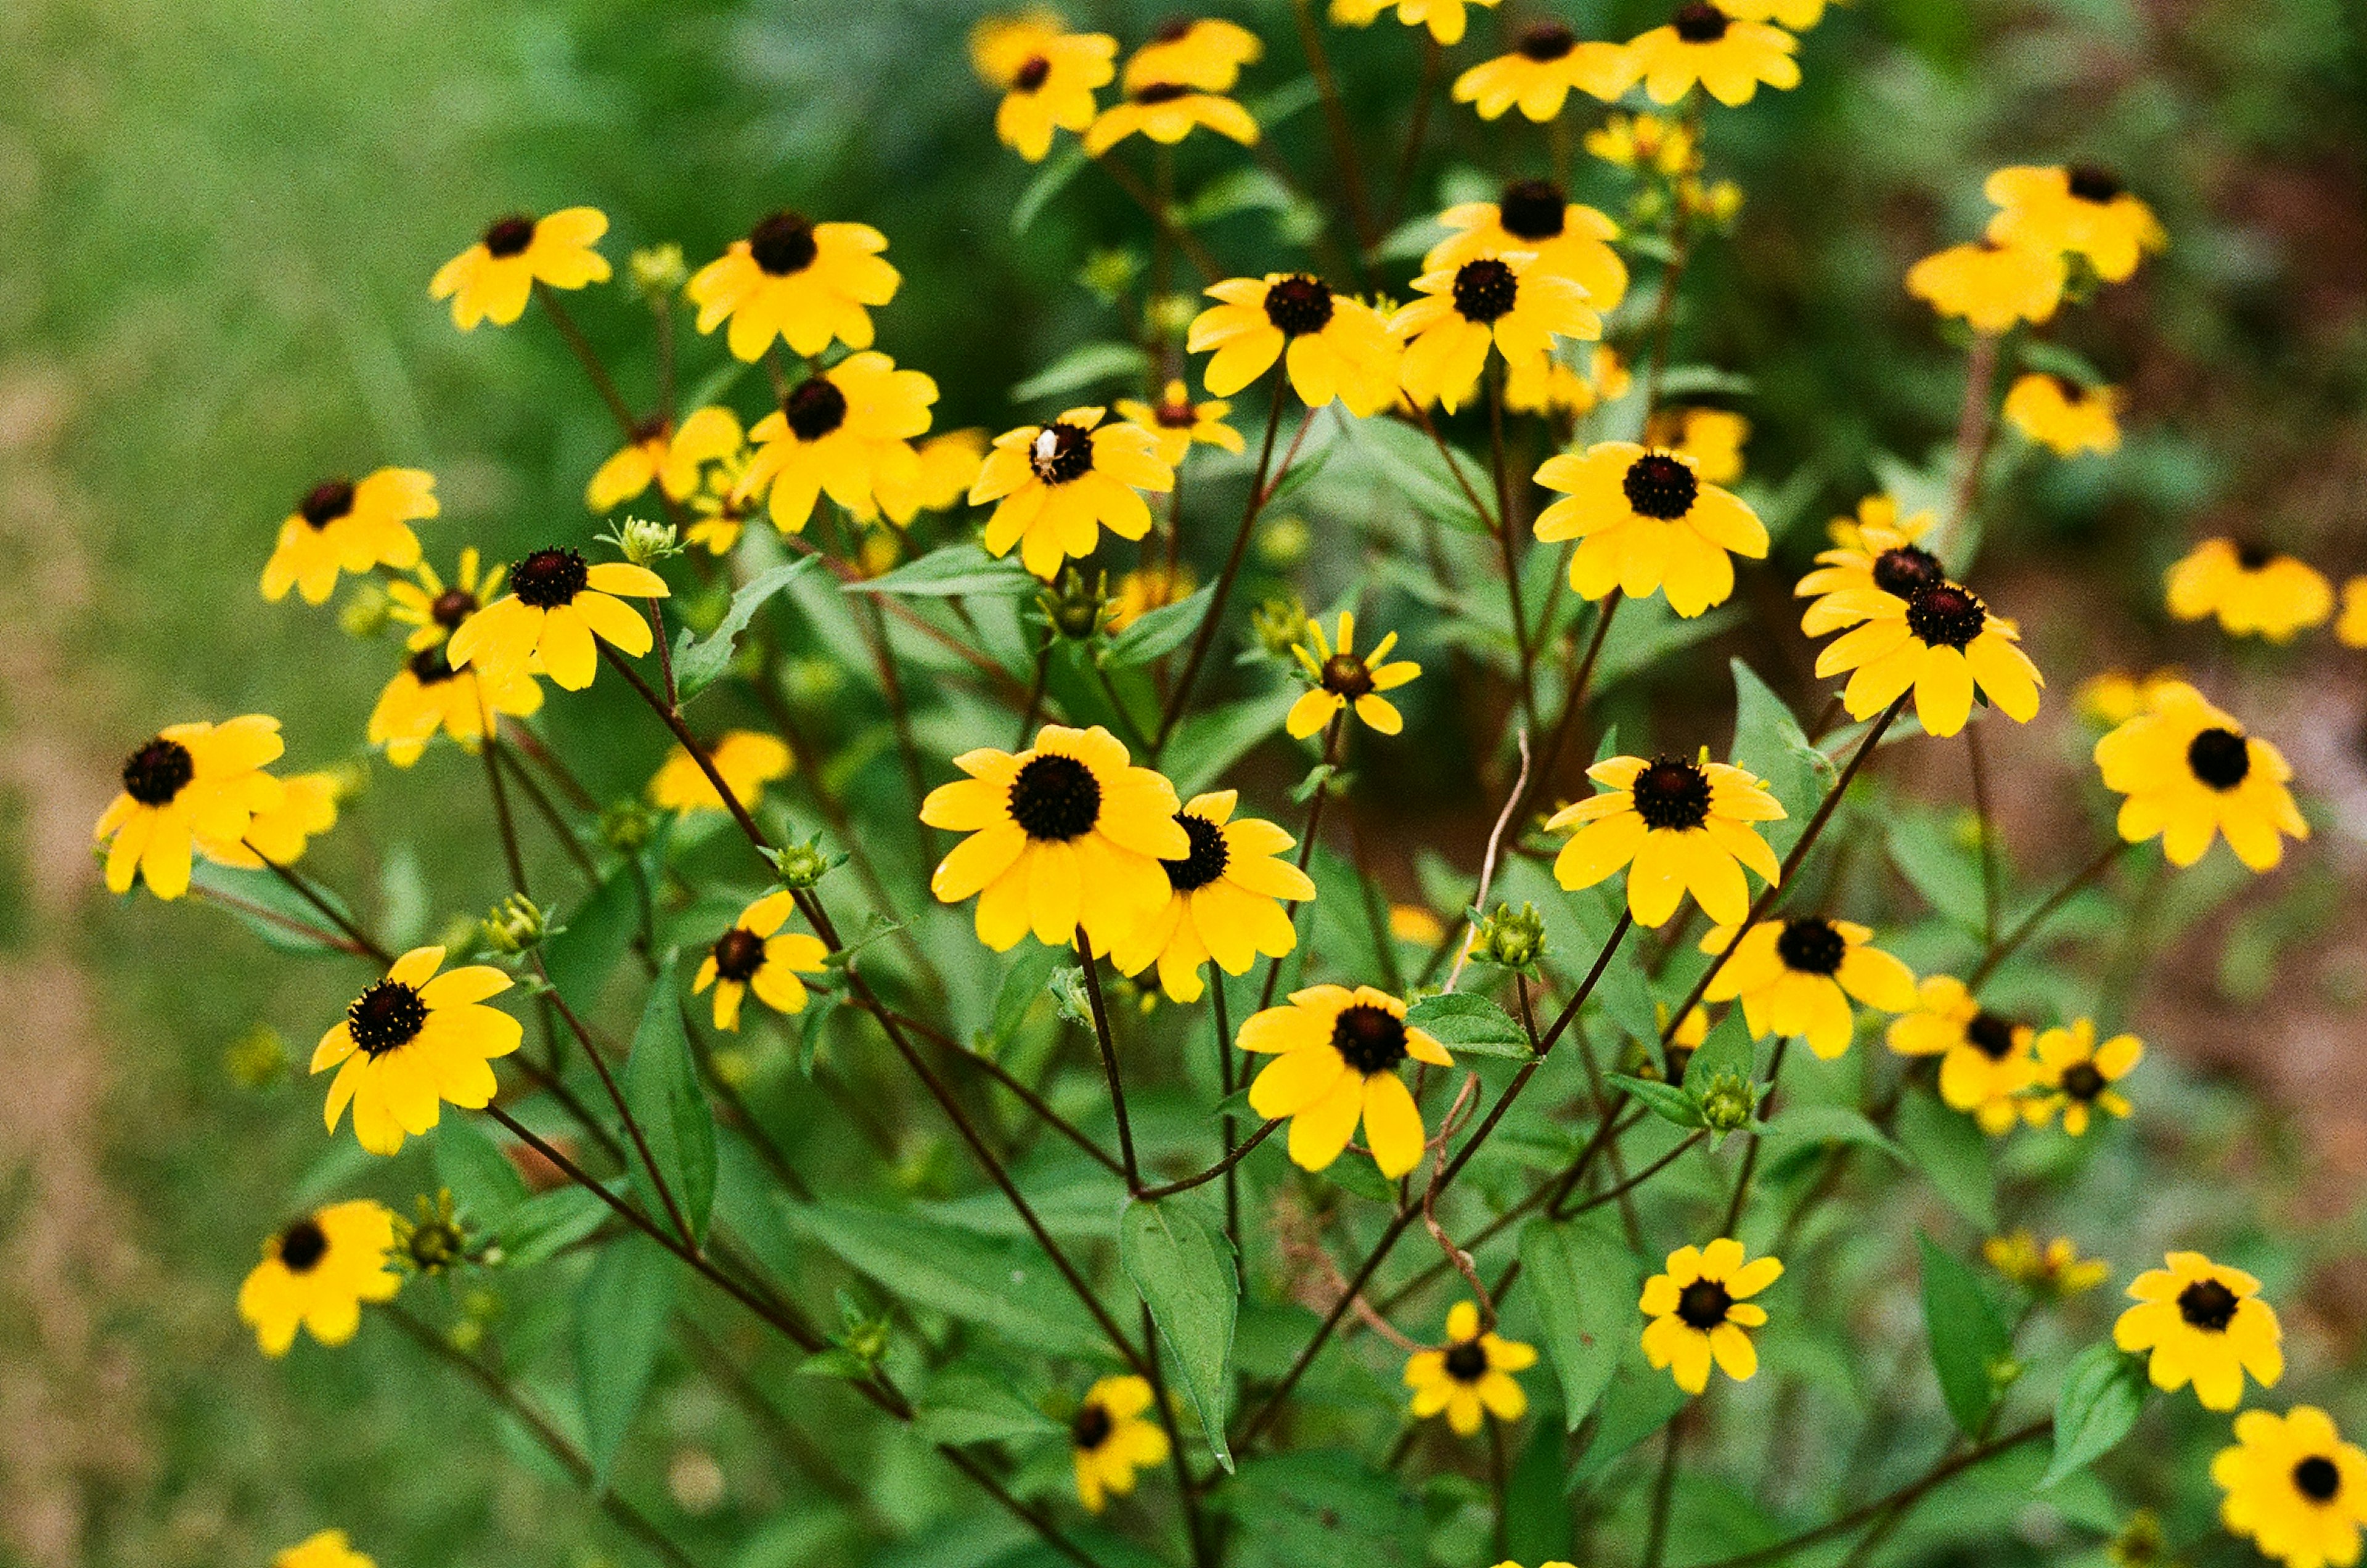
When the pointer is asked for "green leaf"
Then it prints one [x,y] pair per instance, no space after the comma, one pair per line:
[2102,1394]
[486,1188]
[1084,366]
[1241,190]
[1967,1337]
[1182,1268]
[1951,1149]
[1770,743]
[1639,1403]
[1587,1283]
[699,664]
[1947,874]
[1158,632]
[620,1324]
[1729,1049]
[1024,981]
[1009,1286]
[274,911]
[1796,1125]
[1322,1505]
[973,1407]
[1206,744]
[1409,462]
[547,1222]
[1663,1099]
[597,932]
[949,571]
[1049,182]
[662,1089]
[1473,1025]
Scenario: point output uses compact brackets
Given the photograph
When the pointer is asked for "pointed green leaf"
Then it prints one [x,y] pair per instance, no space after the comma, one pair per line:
[1969,1339]
[486,1188]
[620,1322]
[2102,1396]
[663,1091]
[1084,366]
[1663,1099]
[1473,1025]
[1586,1285]
[1009,1286]
[699,664]
[1183,1268]
[1157,632]
[950,570]
[1950,1148]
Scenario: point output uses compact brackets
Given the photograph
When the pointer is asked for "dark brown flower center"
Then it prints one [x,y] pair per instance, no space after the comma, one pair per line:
[1661,486]
[1160,93]
[1208,857]
[2208,1305]
[326,501]
[2082,1082]
[1298,305]
[2318,1478]
[2089,183]
[303,1245]
[2219,758]
[2072,392]
[815,408]
[1171,30]
[1369,1039]
[1546,41]
[1061,453]
[549,579]
[1177,415]
[1945,614]
[452,607]
[1990,1035]
[2252,555]
[1672,794]
[1532,209]
[509,236]
[1699,22]
[1056,798]
[1703,1304]
[783,243]
[387,1015]
[1811,946]
[158,771]
[739,953]
[1344,675]
[1466,1361]
[1031,74]
[1485,290]
[429,666]
[1905,569]
[1090,1429]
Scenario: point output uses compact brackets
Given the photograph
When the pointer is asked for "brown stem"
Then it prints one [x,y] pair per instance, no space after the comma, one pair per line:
[287,922]
[582,346]
[1160,214]
[1225,1071]
[547,808]
[2037,918]
[690,743]
[1332,738]
[1664,1489]
[306,891]
[583,1034]
[1426,93]
[508,825]
[1974,422]
[1335,122]
[1988,835]
[1109,1060]
[1574,701]
[1186,1489]
[1222,1167]
[1751,1153]
[1525,655]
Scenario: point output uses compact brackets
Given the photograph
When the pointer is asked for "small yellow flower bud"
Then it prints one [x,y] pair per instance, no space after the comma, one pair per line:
[627,826]
[257,1059]
[1284,542]
[1512,939]
[364,613]
[1279,622]
[657,271]
[514,925]
[645,542]
[1729,1102]
[803,865]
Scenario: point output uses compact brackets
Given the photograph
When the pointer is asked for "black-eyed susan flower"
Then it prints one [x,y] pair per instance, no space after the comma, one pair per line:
[672,457]
[196,787]
[2056,1271]
[808,284]
[493,278]
[842,432]
[1110,1439]
[2191,773]
[349,525]
[428,696]
[720,511]
[2252,590]
[1057,486]
[1045,74]
[434,608]
[2082,209]
[1167,112]
[1546,63]
[317,1273]
[1204,53]
[1938,640]
[1334,346]
[556,606]
[748,760]
[412,1042]
[1446,19]
[1700,1308]
[1985,1060]
[1549,384]
[1706,44]
[1066,833]
[1177,423]
[2203,1323]
[2351,630]
[1795,979]
[1713,438]
[307,808]
[1647,521]
[1651,141]
[1567,239]
[1991,285]
[1686,825]
[1876,550]
[2063,415]
[756,956]
[2076,1075]
[1342,678]
[1336,1055]
[327,1549]
[1145,589]
[1504,300]
[1470,1376]
[1223,901]
[949,465]
[2294,1488]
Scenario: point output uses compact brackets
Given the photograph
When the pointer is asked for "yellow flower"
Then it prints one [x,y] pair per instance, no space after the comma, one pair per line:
[1706,44]
[1056,486]
[1337,346]
[493,278]
[318,1272]
[949,465]
[720,509]
[2191,772]
[1066,833]
[1203,53]
[1445,19]
[1795,978]
[1641,141]
[428,696]
[1344,680]
[2253,590]
[1336,1054]
[1713,438]
[1411,922]
[1567,238]
[1045,74]
[329,1549]
[1685,826]
[756,956]
[1110,1441]
[1985,1060]
[672,457]
[2294,1487]
[1699,1311]
[1548,385]
[1989,285]
[1646,520]
[556,604]
[1799,15]
[2077,1074]
[747,759]
[1940,641]
[805,283]
[1166,112]
[344,525]
[194,786]
[1471,1376]
[1177,422]
[1505,300]
[307,809]
[2063,414]
[1145,589]
[2204,1322]
[2351,629]
[1874,551]
[842,431]
[1222,901]
[2116,697]
[1548,61]
[412,1041]
[2085,211]
[432,608]
[2057,1271]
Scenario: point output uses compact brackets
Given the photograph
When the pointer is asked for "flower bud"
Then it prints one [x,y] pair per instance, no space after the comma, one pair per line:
[1512,939]
[434,1243]
[657,271]
[1279,622]
[516,924]
[1170,315]
[627,826]
[257,1059]
[645,542]
[1284,542]
[364,613]
[1075,609]
[803,865]
[1728,1101]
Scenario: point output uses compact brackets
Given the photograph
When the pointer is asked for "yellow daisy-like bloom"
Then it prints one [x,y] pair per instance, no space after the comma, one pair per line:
[1645,521]
[194,787]
[2191,772]
[428,696]
[748,760]
[1873,552]
[1472,1376]
[493,278]
[1045,74]
[556,604]
[1685,826]
[1985,1060]
[720,511]
[2084,210]
[1729,57]
[2116,697]
[318,1272]
[1223,900]
[411,1042]
[1056,486]
[329,1549]
[1336,346]
[1645,142]
[1989,285]
[2294,1487]
[2253,590]
[1699,1310]
[1798,15]
[949,465]
[1336,1054]
[1110,1439]
[1066,833]
[1546,384]
[2205,1323]
[1344,680]
[1938,640]
[1175,423]
[432,608]
[1795,978]
[2351,629]
[1546,63]
[756,956]
[1166,112]
[2063,415]
[2077,1076]
[1713,438]
[1567,239]
[806,283]
[1412,923]
[1504,300]
[842,432]
[2058,1270]
[1446,19]
[306,809]
[673,458]
[342,526]
[1204,53]
[1145,589]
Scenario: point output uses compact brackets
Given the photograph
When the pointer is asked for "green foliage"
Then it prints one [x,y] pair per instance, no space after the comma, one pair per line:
[662,1089]
[1184,1270]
